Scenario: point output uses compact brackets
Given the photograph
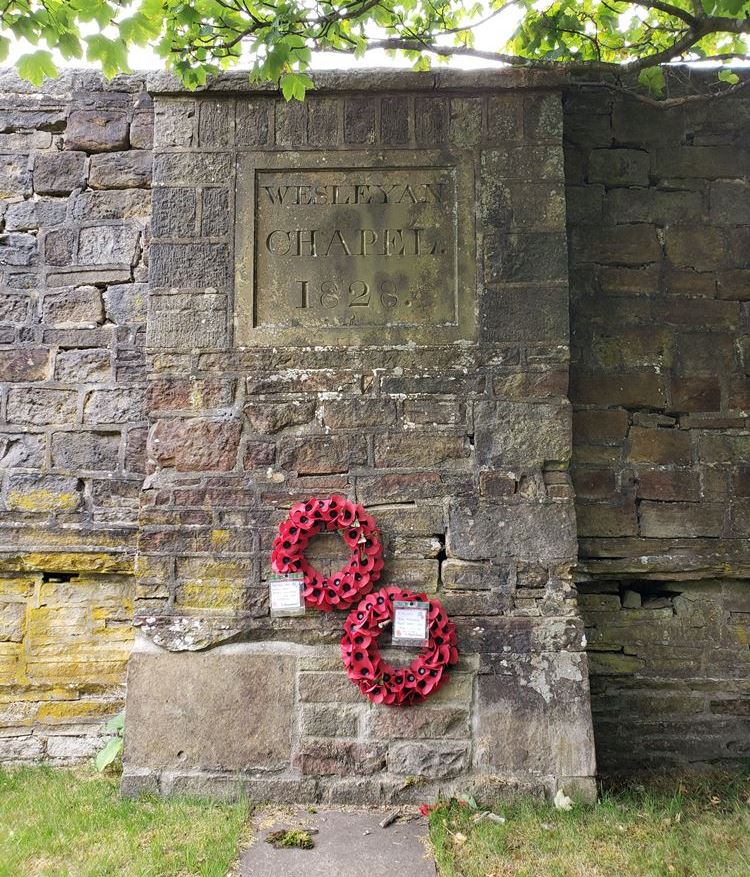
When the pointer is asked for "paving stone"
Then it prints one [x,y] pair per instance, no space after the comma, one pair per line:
[348,843]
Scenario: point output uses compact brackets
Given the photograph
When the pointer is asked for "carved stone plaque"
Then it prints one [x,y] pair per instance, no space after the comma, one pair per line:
[354,248]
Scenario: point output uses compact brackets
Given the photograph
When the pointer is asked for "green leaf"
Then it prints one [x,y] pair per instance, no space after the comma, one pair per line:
[37,66]
[4,48]
[116,723]
[108,754]
[729,76]
[112,54]
[653,79]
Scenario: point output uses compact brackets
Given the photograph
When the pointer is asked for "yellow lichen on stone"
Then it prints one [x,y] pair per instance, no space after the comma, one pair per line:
[211,595]
[67,561]
[41,500]
[219,538]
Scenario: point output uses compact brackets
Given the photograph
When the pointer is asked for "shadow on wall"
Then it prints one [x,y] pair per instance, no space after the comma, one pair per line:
[669,666]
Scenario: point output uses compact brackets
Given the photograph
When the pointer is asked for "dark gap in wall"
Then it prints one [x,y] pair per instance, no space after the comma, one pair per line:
[58,577]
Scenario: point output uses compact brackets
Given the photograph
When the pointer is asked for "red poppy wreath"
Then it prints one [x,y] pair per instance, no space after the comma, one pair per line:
[341,589]
[378,680]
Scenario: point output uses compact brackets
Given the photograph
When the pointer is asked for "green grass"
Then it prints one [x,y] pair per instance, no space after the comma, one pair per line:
[56,823]
[698,827]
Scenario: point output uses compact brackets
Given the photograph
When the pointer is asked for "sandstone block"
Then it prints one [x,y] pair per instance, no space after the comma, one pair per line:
[174,122]
[173,212]
[85,451]
[360,121]
[196,265]
[658,446]
[30,215]
[113,204]
[532,719]
[121,170]
[431,121]
[113,406]
[290,122]
[619,167]
[508,433]
[21,451]
[15,176]
[432,760]
[58,173]
[142,130]
[125,304]
[85,366]
[41,406]
[198,444]
[322,455]
[97,130]
[24,364]
[215,218]
[12,617]
[59,246]
[109,244]
[394,120]
[42,493]
[268,418]
[254,122]
[73,308]
[323,720]
[543,532]
[209,711]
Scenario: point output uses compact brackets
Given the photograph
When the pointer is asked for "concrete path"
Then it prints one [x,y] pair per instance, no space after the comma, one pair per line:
[349,843]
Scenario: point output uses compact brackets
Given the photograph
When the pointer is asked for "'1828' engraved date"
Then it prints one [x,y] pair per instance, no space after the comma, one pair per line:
[358,295]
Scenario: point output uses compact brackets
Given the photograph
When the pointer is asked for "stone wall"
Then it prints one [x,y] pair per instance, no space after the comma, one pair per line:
[656,208]
[75,173]
[659,231]
[456,439]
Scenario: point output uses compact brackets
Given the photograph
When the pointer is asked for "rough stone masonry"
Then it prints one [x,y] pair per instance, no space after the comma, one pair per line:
[215,304]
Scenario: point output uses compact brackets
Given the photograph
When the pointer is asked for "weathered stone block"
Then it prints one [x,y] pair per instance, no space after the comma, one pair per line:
[109,244]
[174,122]
[253,120]
[173,212]
[431,120]
[535,718]
[189,265]
[121,170]
[85,451]
[73,308]
[658,446]
[209,711]
[360,119]
[97,130]
[675,519]
[21,451]
[195,445]
[42,493]
[268,418]
[192,169]
[521,433]
[113,406]
[619,167]
[15,176]
[30,215]
[357,413]
[125,304]
[115,204]
[142,130]
[215,217]
[58,173]
[59,246]
[41,406]
[433,760]
[83,366]
[394,120]
[322,455]
[24,364]
[539,531]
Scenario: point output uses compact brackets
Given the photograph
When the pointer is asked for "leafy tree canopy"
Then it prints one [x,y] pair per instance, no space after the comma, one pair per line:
[620,39]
